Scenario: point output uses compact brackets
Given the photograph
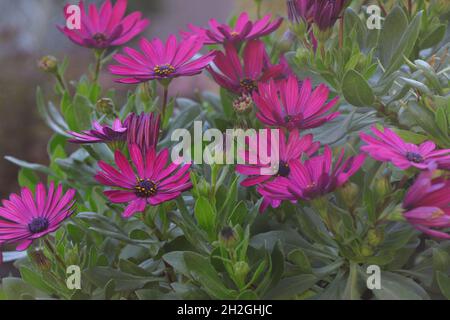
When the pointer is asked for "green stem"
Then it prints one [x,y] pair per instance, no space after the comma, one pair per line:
[98,64]
[164,103]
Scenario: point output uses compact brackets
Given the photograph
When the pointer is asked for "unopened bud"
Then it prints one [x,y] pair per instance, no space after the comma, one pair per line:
[105,106]
[243,104]
[349,193]
[241,270]
[48,64]
[366,251]
[204,187]
[375,237]
[383,185]
[40,260]
[228,237]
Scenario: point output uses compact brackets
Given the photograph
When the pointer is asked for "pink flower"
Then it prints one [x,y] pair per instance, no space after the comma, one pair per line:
[286,104]
[244,30]
[314,177]
[106,27]
[101,134]
[161,61]
[152,183]
[24,217]
[387,146]
[293,149]
[243,79]
[427,205]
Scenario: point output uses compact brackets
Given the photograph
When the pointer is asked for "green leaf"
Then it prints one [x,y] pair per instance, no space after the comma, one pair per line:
[356,90]
[28,165]
[27,178]
[394,27]
[410,136]
[289,287]
[404,46]
[433,37]
[299,258]
[441,120]
[206,216]
[444,284]
[397,287]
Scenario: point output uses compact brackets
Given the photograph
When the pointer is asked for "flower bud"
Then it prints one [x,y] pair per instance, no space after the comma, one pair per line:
[375,237]
[41,261]
[48,64]
[204,187]
[366,251]
[383,185]
[243,104]
[105,106]
[349,193]
[228,237]
[241,270]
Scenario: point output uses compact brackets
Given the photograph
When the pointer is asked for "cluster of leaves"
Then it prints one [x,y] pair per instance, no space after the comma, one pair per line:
[212,243]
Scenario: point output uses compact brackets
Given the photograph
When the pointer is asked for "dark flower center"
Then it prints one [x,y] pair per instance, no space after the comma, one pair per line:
[164,70]
[248,84]
[414,157]
[100,38]
[283,169]
[38,225]
[145,188]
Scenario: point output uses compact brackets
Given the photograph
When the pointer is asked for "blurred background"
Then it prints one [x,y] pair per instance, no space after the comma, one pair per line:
[27,32]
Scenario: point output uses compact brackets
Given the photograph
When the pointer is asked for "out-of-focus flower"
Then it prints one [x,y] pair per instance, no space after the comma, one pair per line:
[387,146]
[161,61]
[106,27]
[101,134]
[143,130]
[301,11]
[244,30]
[151,183]
[427,205]
[293,149]
[24,217]
[243,79]
[314,177]
[286,104]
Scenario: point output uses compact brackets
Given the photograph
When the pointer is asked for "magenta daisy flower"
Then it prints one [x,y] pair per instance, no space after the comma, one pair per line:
[101,134]
[143,130]
[243,79]
[106,27]
[427,205]
[161,61]
[287,104]
[25,218]
[244,30]
[387,146]
[151,183]
[327,12]
[293,149]
[314,177]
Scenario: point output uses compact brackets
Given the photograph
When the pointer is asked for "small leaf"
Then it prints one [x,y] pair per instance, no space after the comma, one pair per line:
[356,90]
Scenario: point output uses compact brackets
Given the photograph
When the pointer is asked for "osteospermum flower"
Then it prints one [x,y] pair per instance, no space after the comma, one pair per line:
[290,105]
[314,177]
[101,134]
[161,61]
[143,130]
[427,205]
[327,12]
[293,149]
[106,27]
[151,183]
[243,79]
[25,218]
[244,30]
[301,10]
[387,146]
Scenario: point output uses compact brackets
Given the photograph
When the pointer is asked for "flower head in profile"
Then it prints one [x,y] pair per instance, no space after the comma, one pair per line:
[143,130]
[244,30]
[387,146]
[159,61]
[313,178]
[301,10]
[101,133]
[290,105]
[105,27]
[151,182]
[293,148]
[327,12]
[25,218]
[243,78]
[427,205]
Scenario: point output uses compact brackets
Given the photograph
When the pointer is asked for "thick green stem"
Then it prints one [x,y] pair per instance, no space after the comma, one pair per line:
[54,253]
[164,103]
[98,64]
